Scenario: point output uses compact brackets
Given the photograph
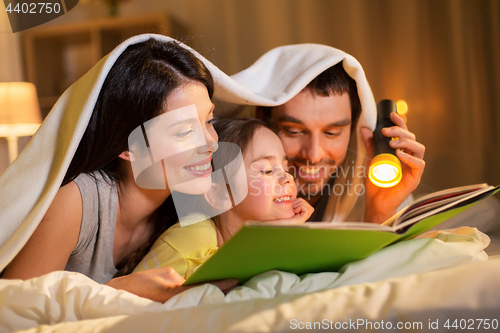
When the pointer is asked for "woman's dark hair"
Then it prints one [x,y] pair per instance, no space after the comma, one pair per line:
[135,91]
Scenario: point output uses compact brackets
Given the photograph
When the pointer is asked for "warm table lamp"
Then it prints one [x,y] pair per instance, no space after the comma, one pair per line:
[19,113]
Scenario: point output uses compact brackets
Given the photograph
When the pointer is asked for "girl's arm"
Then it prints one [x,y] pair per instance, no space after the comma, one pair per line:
[54,239]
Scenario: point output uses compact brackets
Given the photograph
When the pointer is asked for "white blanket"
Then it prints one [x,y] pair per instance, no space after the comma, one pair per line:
[62,297]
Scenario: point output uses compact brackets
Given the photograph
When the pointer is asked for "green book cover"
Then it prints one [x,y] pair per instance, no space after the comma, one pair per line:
[314,247]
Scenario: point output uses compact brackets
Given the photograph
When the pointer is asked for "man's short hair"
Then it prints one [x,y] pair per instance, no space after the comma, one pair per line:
[333,81]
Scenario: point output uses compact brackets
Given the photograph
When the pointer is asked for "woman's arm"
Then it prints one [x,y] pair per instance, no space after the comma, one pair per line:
[160,284]
[54,239]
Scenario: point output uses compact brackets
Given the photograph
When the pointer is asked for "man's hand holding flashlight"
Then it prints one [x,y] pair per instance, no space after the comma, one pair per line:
[381,203]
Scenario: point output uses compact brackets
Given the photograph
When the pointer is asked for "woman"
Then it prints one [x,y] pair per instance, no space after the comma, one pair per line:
[148,79]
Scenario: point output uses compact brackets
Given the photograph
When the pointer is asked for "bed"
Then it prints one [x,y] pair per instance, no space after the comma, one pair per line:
[443,278]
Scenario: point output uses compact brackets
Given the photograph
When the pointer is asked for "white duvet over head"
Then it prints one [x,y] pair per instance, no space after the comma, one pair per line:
[29,185]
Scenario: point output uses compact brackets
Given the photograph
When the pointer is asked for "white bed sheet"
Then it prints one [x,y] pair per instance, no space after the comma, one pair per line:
[469,292]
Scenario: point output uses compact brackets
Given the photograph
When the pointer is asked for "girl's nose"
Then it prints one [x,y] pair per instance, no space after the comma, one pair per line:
[286,178]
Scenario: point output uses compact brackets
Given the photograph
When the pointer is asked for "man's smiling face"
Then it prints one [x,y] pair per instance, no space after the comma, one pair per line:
[315,131]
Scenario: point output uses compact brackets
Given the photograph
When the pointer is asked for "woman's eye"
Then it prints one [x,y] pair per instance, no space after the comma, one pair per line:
[184,134]
[210,122]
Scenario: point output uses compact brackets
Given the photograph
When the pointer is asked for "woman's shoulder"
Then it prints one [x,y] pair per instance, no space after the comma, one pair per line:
[67,197]
[67,206]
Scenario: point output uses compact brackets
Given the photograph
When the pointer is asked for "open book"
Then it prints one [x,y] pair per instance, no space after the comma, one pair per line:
[322,247]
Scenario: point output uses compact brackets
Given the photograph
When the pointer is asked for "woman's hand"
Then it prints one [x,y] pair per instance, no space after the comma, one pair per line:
[382,203]
[302,210]
[159,284]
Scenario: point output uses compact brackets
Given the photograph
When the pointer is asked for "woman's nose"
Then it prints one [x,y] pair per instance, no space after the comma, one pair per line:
[213,146]
[209,148]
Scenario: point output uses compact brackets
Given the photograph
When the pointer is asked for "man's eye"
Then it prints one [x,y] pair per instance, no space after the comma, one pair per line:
[291,131]
[331,134]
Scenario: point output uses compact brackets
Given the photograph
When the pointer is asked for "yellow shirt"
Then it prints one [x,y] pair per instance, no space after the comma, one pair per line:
[182,248]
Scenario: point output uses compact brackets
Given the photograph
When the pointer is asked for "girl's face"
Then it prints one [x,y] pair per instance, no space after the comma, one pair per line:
[271,189]
[181,142]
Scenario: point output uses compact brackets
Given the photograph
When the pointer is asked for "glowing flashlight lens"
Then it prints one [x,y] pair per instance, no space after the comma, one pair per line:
[385,172]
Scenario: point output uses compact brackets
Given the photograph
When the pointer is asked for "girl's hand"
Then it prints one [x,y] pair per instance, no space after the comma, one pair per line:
[159,284]
[302,209]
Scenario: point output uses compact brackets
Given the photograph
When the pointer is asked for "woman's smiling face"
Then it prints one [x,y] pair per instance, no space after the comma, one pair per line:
[181,141]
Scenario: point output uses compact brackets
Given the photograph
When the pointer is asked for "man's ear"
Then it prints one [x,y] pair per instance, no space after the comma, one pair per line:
[218,197]
[127,155]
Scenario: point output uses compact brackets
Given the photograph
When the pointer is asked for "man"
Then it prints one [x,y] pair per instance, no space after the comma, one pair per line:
[318,130]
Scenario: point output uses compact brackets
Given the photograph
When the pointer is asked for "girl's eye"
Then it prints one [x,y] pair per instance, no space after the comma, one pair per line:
[210,122]
[184,134]
[267,172]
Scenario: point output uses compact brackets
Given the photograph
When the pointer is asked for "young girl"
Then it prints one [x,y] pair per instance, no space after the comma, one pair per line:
[271,197]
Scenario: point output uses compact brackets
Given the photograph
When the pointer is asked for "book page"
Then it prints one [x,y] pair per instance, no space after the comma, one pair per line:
[441,208]
[433,200]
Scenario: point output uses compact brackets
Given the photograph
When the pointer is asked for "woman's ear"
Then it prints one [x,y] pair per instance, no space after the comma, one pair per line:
[127,155]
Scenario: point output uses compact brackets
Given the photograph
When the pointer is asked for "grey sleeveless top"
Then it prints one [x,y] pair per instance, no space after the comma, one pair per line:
[93,254]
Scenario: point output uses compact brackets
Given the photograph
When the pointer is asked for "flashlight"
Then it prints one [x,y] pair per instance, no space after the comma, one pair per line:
[385,168]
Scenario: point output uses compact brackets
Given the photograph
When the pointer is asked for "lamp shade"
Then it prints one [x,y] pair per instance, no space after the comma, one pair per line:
[19,113]
[19,109]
